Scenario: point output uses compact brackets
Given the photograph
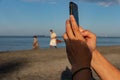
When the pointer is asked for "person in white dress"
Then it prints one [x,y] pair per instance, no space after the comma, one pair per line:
[53,38]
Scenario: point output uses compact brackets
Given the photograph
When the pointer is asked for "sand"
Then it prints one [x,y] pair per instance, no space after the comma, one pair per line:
[45,64]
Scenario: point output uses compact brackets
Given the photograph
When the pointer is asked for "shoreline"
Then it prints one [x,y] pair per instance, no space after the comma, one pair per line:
[45,64]
[4,51]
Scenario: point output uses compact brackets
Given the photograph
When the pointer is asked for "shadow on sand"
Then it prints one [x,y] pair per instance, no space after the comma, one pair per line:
[7,68]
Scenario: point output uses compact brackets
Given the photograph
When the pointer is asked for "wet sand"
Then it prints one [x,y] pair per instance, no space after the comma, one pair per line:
[45,64]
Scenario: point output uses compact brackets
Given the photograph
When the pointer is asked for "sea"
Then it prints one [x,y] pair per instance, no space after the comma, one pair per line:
[14,43]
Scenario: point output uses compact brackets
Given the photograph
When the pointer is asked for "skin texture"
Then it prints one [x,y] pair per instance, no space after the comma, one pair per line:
[81,51]
[77,49]
[103,67]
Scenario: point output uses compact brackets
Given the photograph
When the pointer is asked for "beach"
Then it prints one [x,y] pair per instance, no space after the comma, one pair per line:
[45,64]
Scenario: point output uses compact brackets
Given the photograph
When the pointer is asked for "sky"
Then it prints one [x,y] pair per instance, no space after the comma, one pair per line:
[37,17]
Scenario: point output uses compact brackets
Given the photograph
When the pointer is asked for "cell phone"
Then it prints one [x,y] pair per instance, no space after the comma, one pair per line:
[73,10]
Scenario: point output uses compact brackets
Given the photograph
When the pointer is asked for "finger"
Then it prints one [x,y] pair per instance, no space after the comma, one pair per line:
[66,39]
[75,28]
[73,21]
[74,24]
[87,33]
[65,36]
[69,30]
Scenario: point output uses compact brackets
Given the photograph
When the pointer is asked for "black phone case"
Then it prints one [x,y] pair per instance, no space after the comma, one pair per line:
[73,10]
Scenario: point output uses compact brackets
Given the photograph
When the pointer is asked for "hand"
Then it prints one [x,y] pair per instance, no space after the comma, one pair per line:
[77,49]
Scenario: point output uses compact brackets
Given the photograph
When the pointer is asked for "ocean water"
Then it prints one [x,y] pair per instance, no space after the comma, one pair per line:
[13,43]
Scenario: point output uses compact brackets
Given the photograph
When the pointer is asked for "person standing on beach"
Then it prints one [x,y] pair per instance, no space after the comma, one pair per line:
[35,42]
[53,38]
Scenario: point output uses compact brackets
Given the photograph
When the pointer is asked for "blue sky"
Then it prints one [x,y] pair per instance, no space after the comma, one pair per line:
[36,17]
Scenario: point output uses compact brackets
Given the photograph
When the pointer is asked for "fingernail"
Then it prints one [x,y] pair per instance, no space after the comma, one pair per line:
[70,15]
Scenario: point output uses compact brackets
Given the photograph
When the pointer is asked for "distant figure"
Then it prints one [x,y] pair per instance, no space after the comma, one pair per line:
[35,42]
[53,38]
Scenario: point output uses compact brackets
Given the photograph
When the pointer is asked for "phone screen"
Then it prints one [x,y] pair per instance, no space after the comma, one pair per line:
[73,10]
